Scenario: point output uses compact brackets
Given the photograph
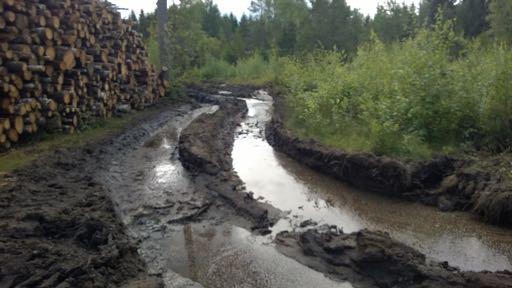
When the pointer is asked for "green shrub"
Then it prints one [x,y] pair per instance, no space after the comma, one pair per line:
[217,70]
[253,70]
[435,93]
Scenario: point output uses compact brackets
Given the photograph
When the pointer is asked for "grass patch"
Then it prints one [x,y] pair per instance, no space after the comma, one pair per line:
[23,155]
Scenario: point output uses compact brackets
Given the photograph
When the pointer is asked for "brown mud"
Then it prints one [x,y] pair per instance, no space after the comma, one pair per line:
[373,259]
[58,225]
[205,149]
[450,184]
[124,213]
[193,228]
[364,259]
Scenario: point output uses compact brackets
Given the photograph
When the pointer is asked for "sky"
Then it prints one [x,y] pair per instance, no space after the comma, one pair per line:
[239,7]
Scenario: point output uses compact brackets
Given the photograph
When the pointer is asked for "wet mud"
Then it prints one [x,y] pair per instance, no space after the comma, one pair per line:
[58,224]
[310,198]
[373,259]
[447,183]
[166,203]
[205,149]
[193,228]
[406,266]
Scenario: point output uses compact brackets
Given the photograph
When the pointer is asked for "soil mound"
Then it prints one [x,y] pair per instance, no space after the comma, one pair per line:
[373,259]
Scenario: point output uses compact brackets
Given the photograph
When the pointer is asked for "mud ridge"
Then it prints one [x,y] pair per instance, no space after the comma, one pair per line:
[448,183]
[205,149]
[58,225]
[59,229]
[373,259]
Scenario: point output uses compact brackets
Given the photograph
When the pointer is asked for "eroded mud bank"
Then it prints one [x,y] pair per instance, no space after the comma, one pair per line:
[192,228]
[364,261]
[373,259]
[447,183]
[205,148]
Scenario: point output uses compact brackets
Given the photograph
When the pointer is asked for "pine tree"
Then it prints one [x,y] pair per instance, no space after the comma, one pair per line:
[429,10]
[472,17]
[394,22]
[500,19]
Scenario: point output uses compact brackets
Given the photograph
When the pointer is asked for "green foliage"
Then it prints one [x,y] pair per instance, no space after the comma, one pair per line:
[471,17]
[214,70]
[153,51]
[501,20]
[431,10]
[253,70]
[198,32]
[436,93]
[404,83]
[394,22]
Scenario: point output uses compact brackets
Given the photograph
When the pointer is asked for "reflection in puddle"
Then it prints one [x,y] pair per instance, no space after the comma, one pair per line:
[164,172]
[151,188]
[229,256]
[165,144]
[283,190]
[453,237]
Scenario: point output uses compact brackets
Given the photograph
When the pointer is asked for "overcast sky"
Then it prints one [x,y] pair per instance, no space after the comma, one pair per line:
[238,7]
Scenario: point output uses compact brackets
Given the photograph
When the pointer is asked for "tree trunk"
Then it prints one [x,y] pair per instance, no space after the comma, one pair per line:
[162,20]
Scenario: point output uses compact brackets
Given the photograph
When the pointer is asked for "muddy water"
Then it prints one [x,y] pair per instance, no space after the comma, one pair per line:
[152,190]
[305,194]
[229,256]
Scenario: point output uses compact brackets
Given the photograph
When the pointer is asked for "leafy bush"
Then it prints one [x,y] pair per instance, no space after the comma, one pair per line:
[251,70]
[435,93]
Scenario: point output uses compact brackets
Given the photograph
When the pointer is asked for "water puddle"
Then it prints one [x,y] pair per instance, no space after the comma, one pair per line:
[151,189]
[228,256]
[305,194]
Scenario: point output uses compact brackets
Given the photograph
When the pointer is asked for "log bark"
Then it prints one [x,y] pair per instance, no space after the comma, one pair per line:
[61,60]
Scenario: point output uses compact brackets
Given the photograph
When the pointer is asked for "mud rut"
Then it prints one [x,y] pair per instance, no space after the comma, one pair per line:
[184,231]
[191,235]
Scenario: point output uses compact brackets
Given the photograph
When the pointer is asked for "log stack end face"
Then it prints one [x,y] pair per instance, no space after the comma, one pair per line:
[64,61]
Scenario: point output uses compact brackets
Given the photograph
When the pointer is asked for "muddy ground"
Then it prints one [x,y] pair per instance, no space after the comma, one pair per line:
[205,148]
[60,228]
[373,259]
[366,258]
[471,184]
[58,225]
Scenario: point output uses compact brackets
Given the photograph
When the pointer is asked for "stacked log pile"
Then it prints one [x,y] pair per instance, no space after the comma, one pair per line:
[64,61]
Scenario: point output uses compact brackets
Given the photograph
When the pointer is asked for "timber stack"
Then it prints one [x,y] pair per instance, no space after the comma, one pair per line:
[64,62]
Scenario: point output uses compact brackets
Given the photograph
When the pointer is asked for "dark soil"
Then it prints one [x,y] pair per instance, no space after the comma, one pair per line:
[205,149]
[59,229]
[58,225]
[448,183]
[366,258]
[373,259]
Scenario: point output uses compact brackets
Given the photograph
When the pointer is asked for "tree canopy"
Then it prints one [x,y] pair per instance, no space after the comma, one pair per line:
[199,31]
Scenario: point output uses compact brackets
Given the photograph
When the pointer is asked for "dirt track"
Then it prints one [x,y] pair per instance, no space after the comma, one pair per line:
[365,259]
[60,228]
[205,148]
[58,223]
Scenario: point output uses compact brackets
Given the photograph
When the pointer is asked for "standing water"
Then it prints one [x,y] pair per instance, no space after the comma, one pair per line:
[151,189]
[307,195]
